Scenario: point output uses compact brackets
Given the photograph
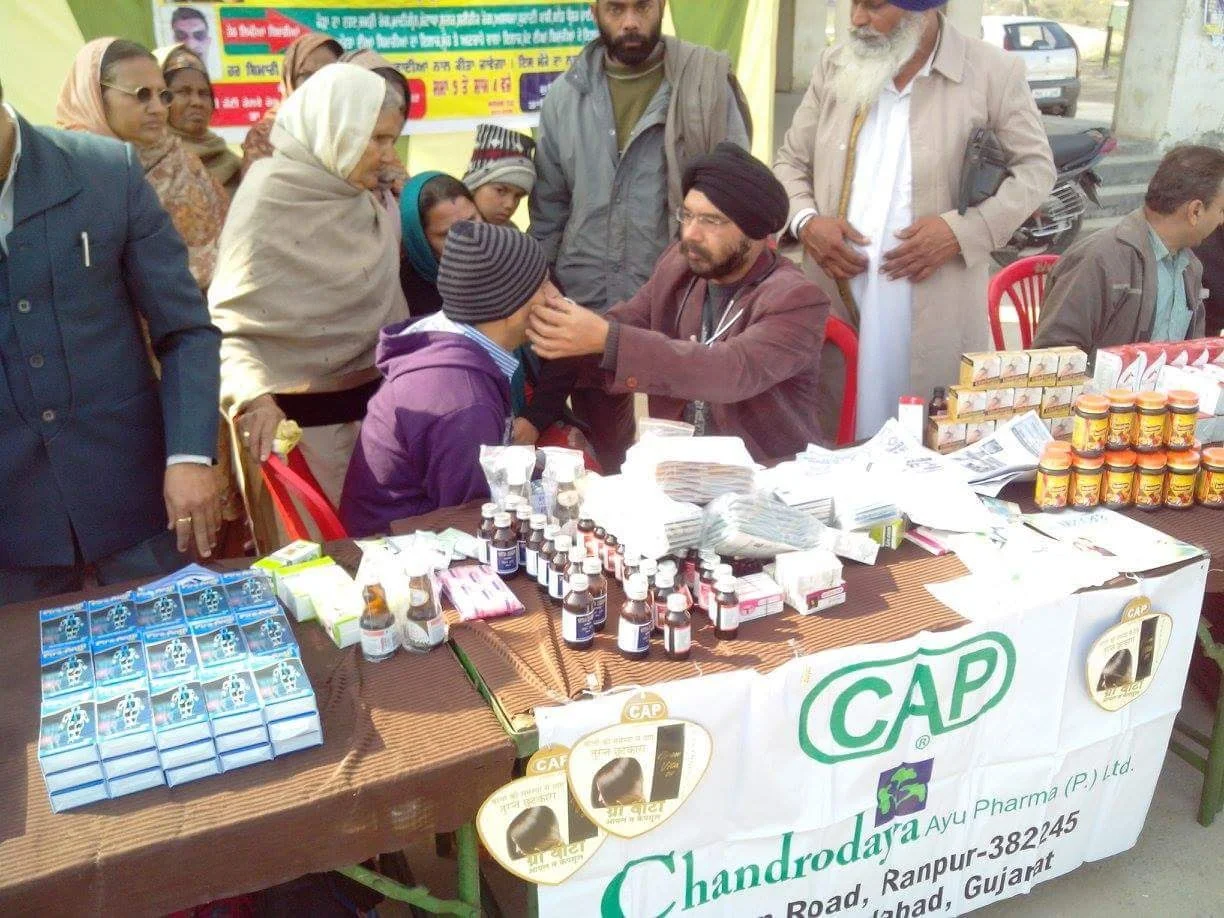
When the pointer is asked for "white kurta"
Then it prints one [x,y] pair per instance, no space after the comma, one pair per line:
[881,203]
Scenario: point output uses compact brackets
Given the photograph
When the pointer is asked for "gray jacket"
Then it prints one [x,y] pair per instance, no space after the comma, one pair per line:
[601,216]
[1102,292]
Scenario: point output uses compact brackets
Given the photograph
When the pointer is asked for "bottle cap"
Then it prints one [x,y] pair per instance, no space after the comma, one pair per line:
[523,512]
[551,532]
[591,566]
[488,509]
[1187,460]
[725,585]
[563,542]
[1183,398]
[577,552]
[636,587]
[668,566]
[502,521]
[677,603]
[1092,404]
[649,567]
[1153,401]
[665,579]
[1123,398]
[578,583]
[539,521]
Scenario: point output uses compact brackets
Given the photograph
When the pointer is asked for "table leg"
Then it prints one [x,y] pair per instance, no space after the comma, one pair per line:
[415,895]
[469,865]
[1213,774]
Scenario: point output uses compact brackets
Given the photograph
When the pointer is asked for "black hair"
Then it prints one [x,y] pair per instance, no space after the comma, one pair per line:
[121,50]
[187,12]
[532,831]
[614,781]
[438,190]
[1187,173]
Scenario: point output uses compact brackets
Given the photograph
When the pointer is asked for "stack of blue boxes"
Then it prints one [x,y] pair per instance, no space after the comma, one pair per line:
[169,684]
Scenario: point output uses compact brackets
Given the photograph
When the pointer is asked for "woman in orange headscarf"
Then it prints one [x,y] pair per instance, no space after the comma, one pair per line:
[116,89]
[305,57]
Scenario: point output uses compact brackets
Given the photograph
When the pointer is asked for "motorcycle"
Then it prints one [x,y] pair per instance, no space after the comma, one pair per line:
[1054,225]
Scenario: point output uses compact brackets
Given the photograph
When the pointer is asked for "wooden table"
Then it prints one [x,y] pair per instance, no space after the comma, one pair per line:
[410,749]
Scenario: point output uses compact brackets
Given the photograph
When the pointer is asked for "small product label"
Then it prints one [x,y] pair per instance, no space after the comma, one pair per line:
[599,610]
[426,634]
[379,642]
[522,553]
[633,638]
[575,627]
[507,560]
[556,584]
[678,640]
[531,561]
[483,547]
[726,617]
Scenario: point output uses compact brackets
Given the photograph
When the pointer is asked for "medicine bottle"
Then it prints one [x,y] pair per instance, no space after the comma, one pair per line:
[424,626]
[379,635]
[611,555]
[522,518]
[1086,474]
[547,550]
[484,532]
[636,621]
[505,548]
[566,505]
[677,628]
[725,611]
[586,535]
[535,541]
[1090,427]
[576,625]
[556,570]
[1053,479]
[665,586]
[597,586]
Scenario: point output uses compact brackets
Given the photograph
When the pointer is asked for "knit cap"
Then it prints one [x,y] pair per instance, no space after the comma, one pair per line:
[488,272]
[501,155]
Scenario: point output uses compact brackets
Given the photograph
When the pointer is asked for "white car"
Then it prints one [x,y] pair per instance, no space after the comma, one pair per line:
[1050,55]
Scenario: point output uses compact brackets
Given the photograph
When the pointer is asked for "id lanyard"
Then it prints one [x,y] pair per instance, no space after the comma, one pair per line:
[701,408]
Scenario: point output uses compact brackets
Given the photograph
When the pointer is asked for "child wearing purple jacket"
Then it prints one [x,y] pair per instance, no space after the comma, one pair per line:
[447,382]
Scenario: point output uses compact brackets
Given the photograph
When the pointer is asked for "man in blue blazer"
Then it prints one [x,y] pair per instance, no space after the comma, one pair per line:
[99,462]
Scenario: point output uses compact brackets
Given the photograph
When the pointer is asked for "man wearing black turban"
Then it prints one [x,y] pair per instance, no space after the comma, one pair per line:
[726,334]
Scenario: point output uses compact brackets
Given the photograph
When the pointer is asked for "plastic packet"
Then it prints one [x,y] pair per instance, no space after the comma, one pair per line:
[659,427]
[559,460]
[757,525]
[498,461]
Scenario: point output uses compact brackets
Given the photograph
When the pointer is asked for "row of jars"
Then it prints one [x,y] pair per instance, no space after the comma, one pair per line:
[1146,422]
[1124,478]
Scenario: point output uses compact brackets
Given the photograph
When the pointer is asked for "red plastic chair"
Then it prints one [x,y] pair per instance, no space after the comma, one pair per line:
[284,481]
[1024,283]
[842,337]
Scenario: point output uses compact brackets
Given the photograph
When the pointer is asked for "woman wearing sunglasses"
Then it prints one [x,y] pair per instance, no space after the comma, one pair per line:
[191,111]
[116,89]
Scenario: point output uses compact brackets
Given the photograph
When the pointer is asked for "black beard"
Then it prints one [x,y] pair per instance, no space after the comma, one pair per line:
[620,50]
[728,265]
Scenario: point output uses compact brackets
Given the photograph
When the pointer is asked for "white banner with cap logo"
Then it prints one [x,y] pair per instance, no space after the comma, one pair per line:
[936,774]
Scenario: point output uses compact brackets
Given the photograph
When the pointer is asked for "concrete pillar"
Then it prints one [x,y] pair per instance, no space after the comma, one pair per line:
[811,19]
[1169,86]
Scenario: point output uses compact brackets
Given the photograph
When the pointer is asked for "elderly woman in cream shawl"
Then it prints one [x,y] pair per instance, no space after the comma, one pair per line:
[308,273]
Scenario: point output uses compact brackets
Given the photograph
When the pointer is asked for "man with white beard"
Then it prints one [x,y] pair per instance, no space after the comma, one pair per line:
[872,163]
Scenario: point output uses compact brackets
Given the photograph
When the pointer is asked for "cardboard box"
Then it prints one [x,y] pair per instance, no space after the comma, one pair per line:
[1027,399]
[978,430]
[999,403]
[1055,402]
[759,595]
[889,534]
[819,600]
[1119,367]
[1015,368]
[1060,428]
[945,436]
[966,404]
[981,370]
[1072,366]
[1043,367]
[1204,384]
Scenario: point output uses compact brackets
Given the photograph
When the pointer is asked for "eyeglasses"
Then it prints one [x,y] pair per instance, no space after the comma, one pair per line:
[143,94]
[705,221]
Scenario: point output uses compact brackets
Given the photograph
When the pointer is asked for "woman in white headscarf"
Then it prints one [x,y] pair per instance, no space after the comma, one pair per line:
[308,274]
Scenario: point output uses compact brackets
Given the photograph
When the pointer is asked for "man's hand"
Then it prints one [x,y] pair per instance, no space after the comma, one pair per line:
[562,328]
[524,433]
[928,243]
[193,505]
[825,240]
[257,424]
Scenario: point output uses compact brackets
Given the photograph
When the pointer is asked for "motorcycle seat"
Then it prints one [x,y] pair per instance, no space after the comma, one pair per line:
[1072,148]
